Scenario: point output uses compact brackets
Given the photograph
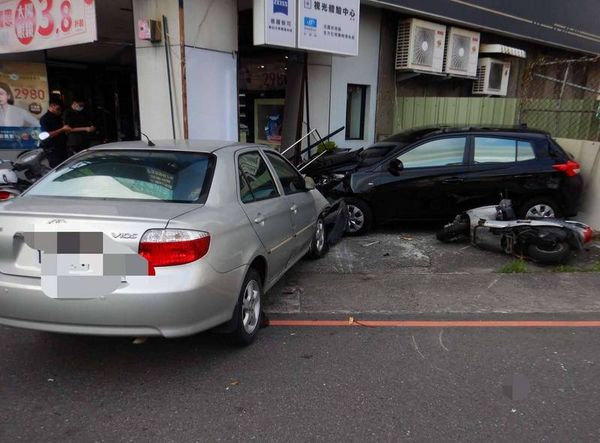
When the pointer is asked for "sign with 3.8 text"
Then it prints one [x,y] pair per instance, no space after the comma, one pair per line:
[28,25]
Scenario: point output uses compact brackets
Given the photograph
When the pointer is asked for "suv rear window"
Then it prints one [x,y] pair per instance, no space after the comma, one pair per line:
[501,150]
[182,177]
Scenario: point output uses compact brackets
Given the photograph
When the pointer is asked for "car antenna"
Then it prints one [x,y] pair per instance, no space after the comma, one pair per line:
[150,142]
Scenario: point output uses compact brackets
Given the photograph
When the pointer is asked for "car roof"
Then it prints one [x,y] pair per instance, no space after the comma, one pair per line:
[419,133]
[207,146]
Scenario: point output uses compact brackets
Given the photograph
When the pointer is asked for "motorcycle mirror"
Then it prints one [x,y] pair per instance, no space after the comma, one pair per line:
[395,166]
[43,136]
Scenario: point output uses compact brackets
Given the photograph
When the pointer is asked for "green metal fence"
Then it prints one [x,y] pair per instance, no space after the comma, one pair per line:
[413,112]
[560,96]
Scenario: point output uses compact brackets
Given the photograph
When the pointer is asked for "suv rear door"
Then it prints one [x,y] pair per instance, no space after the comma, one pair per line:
[501,165]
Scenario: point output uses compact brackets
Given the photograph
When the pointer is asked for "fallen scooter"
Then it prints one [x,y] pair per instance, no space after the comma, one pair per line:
[543,240]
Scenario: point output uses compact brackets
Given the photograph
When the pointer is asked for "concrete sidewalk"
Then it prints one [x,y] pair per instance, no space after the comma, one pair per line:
[393,273]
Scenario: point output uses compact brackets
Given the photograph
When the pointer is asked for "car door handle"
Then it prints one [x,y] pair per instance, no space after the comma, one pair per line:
[453,180]
[294,209]
[259,219]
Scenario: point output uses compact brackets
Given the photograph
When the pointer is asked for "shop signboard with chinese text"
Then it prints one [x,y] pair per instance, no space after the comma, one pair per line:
[28,25]
[329,26]
[23,100]
[275,23]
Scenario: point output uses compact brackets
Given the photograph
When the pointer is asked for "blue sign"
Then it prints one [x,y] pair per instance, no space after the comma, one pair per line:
[280,6]
[310,22]
[17,137]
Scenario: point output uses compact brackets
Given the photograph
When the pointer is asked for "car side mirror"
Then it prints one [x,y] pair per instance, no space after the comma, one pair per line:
[395,166]
[309,183]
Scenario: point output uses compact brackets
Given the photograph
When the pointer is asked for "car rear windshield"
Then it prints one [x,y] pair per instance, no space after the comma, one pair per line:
[182,177]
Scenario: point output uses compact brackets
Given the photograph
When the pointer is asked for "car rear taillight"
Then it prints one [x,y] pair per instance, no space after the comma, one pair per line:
[588,233]
[171,247]
[6,195]
[571,168]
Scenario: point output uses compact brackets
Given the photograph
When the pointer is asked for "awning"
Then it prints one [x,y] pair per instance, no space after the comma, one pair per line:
[502,49]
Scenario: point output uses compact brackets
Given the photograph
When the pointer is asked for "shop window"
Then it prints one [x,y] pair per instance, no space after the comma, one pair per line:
[355,112]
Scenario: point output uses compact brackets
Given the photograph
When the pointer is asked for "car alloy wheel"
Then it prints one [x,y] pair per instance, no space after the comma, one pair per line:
[320,236]
[541,210]
[356,218]
[251,306]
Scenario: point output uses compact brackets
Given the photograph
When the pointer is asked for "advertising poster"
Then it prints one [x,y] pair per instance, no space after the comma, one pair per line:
[23,100]
[329,26]
[268,120]
[28,25]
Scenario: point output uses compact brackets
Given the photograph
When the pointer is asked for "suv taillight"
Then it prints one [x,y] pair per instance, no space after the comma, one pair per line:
[171,247]
[588,234]
[571,168]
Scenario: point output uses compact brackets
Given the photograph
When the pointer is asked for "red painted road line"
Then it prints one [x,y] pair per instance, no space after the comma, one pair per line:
[442,323]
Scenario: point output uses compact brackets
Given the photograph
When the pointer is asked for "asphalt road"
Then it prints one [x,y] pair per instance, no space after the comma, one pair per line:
[304,384]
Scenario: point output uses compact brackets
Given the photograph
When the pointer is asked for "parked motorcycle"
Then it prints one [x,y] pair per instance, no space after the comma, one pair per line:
[543,240]
[18,175]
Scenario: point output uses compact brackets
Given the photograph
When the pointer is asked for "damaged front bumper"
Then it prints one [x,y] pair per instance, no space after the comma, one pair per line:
[336,221]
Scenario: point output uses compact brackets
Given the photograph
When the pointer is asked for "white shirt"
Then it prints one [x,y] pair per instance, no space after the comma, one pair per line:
[14,116]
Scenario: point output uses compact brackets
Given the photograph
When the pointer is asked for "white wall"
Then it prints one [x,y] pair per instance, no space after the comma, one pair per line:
[319,93]
[587,153]
[153,90]
[210,25]
[212,94]
[361,70]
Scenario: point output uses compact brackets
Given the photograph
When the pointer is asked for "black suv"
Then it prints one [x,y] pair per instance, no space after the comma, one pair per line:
[436,173]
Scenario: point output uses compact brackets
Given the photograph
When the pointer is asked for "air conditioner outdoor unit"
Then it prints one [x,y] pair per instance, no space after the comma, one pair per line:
[462,48]
[492,77]
[420,46]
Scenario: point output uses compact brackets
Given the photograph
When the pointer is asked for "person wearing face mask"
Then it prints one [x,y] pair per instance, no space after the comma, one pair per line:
[81,126]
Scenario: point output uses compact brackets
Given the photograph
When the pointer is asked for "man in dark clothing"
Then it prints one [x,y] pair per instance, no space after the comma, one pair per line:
[80,122]
[55,146]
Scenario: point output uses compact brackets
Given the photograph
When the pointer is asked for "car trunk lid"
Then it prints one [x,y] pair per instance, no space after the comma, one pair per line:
[123,222]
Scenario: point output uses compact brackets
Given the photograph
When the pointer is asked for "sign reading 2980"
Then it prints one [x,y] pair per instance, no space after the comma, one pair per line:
[27,25]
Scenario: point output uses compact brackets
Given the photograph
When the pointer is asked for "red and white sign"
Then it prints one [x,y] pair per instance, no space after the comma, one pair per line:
[29,25]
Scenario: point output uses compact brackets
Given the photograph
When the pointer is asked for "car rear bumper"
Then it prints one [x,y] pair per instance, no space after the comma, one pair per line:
[572,196]
[175,302]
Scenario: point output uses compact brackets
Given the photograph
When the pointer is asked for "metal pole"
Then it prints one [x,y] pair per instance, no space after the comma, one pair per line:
[298,141]
[559,102]
[183,70]
[313,160]
[166,31]
[298,155]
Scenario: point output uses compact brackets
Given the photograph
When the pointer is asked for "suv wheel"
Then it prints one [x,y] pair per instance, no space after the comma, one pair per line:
[542,207]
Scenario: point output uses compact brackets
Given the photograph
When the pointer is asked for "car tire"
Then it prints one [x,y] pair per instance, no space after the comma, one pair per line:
[556,255]
[248,311]
[318,245]
[539,205]
[360,217]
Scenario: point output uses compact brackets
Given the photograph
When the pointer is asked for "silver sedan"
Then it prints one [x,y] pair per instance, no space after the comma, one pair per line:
[130,240]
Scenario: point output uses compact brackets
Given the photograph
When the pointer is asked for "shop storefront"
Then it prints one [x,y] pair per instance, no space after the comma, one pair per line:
[76,48]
